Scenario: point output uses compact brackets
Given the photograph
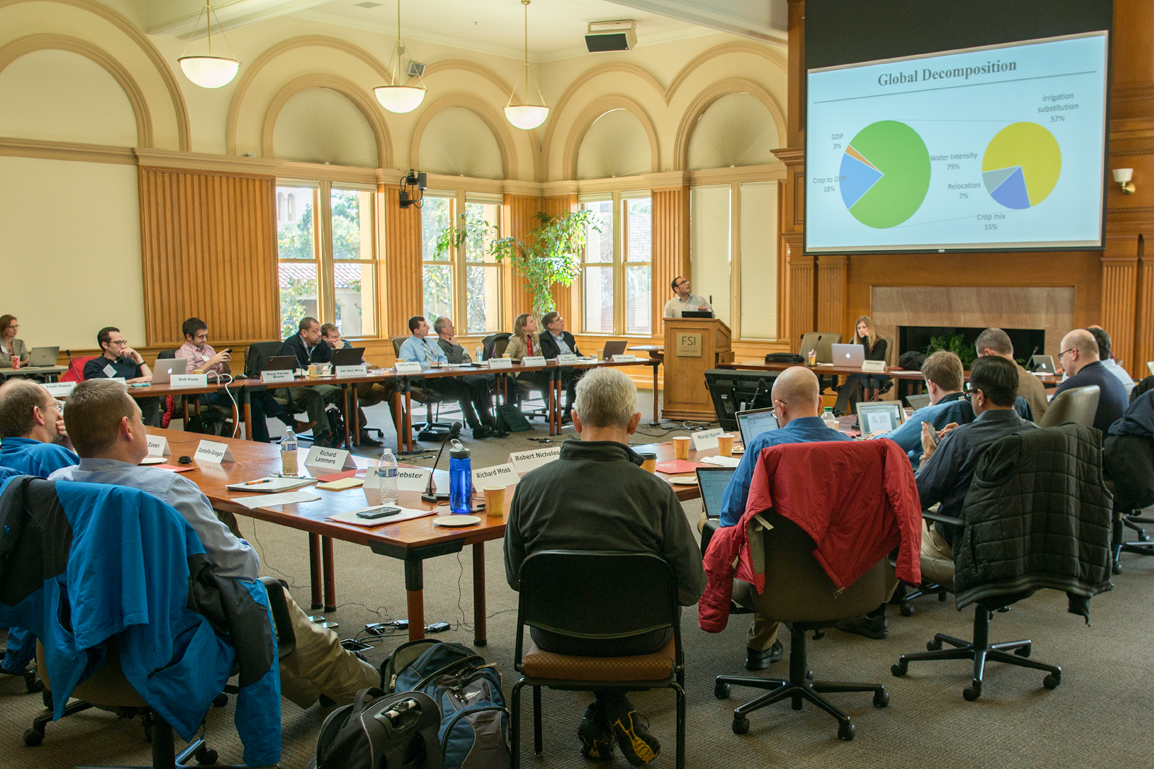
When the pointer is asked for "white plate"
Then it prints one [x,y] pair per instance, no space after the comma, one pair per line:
[152,461]
[456,521]
[683,480]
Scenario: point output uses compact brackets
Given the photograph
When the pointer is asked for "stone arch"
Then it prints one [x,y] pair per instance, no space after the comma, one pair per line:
[711,94]
[345,88]
[596,109]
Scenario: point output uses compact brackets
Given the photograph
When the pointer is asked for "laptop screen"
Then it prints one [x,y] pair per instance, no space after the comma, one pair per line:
[753,423]
[879,417]
[712,481]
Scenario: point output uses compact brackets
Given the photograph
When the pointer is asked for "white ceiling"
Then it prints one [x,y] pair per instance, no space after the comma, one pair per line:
[556,27]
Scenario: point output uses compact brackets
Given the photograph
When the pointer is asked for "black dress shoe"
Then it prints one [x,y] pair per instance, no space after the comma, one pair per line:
[366,440]
[480,432]
[760,660]
[865,625]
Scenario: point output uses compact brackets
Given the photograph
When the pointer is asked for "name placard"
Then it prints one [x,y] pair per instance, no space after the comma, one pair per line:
[706,439]
[109,371]
[361,370]
[60,389]
[158,446]
[567,357]
[624,358]
[874,366]
[499,475]
[407,367]
[329,459]
[524,461]
[688,345]
[533,360]
[210,453]
[276,376]
[189,380]
[497,363]
[413,478]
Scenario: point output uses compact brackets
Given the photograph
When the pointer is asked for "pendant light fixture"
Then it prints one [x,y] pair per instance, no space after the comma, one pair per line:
[209,71]
[396,97]
[526,116]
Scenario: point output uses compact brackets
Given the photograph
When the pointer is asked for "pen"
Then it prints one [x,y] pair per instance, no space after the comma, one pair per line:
[257,483]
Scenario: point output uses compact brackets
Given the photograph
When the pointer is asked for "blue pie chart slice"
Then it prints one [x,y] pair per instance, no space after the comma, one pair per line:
[857,179]
[1010,189]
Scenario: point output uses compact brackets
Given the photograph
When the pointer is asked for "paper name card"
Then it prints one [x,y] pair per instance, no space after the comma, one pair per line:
[524,461]
[706,439]
[276,376]
[210,453]
[329,459]
[874,366]
[158,446]
[408,367]
[413,478]
[533,360]
[119,379]
[60,389]
[361,370]
[499,475]
[1150,365]
[497,363]
[566,358]
[109,371]
[189,380]
[623,358]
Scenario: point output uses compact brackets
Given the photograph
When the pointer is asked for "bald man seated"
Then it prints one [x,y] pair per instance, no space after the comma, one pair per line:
[1079,357]
[797,404]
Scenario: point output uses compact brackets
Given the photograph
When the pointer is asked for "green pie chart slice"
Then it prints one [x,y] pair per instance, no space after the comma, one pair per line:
[898,152]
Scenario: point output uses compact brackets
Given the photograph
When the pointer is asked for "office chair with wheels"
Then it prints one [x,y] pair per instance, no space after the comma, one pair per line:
[619,595]
[1078,405]
[1129,456]
[493,346]
[433,429]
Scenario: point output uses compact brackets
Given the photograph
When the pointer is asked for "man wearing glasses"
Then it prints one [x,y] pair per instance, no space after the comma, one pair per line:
[1080,359]
[684,301]
[117,359]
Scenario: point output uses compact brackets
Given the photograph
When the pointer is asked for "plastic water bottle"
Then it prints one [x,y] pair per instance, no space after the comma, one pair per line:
[387,477]
[829,419]
[480,353]
[288,453]
[460,480]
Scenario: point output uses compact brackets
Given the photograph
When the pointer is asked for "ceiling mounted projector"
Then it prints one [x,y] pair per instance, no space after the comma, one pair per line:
[611,36]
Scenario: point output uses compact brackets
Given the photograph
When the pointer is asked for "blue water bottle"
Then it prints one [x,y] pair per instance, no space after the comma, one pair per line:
[460,480]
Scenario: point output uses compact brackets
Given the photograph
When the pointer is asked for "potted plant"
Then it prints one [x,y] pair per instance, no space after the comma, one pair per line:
[551,254]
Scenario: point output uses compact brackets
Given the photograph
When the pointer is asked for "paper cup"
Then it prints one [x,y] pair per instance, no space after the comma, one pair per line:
[495,501]
[725,445]
[681,447]
[650,462]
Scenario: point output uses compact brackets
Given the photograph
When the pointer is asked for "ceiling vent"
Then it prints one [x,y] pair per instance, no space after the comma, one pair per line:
[611,36]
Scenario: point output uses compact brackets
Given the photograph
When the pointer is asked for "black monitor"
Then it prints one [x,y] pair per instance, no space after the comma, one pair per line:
[696,314]
[733,391]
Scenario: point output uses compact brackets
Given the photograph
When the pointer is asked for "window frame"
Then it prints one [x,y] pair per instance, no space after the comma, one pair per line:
[620,239]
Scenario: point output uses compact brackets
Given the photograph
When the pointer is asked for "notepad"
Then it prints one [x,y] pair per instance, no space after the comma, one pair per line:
[676,467]
[288,498]
[271,484]
[341,484]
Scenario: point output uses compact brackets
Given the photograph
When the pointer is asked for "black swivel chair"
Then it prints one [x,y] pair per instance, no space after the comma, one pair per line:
[432,429]
[618,595]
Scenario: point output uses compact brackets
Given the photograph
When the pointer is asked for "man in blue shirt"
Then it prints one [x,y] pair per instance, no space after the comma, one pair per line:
[943,373]
[797,404]
[419,348]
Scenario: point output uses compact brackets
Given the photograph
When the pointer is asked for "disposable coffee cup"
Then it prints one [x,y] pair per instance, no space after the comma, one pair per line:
[681,447]
[725,445]
[649,461]
[495,501]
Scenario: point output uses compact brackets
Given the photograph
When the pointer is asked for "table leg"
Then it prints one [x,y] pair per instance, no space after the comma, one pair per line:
[330,574]
[408,417]
[247,414]
[415,593]
[655,421]
[553,426]
[315,570]
[355,414]
[184,411]
[348,418]
[398,419]
[480,634]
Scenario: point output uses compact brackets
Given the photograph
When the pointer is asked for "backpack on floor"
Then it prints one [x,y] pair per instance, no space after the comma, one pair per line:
[474,719]
[381,731]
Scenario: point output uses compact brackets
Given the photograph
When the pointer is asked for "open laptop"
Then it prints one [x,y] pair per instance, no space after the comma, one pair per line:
[919,401]
[281,363]
[712,482]
[165,367]
[821,342]
[879,416]
[348,356]
[754,422]
[848,355]
[1044,364]
[613,348]
[42,356]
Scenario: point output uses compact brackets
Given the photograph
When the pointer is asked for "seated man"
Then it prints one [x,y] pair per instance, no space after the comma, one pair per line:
[948,467]
[480,385]
[557,341]
[797,404]
[306,346]
[943,373]
[105,426]
[1106,356]
[203,359]
[117,359]
[626,509]
[1080,359]
[995,341]
[368,393]
[418,348]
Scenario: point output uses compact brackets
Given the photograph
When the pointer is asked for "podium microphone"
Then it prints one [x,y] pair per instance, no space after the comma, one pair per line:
[1031,364]
[431,494]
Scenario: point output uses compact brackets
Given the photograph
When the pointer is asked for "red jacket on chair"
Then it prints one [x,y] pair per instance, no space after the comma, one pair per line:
[857,501]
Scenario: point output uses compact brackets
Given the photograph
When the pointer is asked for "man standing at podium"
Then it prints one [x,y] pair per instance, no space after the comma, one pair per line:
[684,301]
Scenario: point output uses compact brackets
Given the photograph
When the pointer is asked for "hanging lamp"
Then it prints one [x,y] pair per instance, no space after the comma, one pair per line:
[526,116]
[396,97]
[208,71]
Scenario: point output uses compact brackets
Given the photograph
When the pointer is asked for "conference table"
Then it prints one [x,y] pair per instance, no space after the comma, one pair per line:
[48,372]
[412,541]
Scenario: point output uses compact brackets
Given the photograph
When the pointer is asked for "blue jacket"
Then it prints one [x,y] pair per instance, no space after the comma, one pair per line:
[29,457]
[99,561]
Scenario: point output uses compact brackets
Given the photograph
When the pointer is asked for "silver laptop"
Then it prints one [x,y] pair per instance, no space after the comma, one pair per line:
[755,422]
[613,348]
[712,482]
[165,367]
[1044,364]
[819,342]
[919,401]
[848,355]
[879,416]
[43,356]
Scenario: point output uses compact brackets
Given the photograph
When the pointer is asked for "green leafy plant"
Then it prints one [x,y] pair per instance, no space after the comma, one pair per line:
[953,343]
[551,254]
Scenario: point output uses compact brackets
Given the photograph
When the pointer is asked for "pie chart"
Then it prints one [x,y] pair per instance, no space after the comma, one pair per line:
[1021,165]
[885,174]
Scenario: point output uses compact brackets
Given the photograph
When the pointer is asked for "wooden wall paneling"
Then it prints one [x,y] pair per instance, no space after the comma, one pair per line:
[1120,298]
[1144,319]
[831,293]
[522,211]
[403,276]
[670,245]
[801,278]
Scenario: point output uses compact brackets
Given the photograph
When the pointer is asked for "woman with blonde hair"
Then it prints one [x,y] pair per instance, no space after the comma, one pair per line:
[867,336]
[851,392]
[525,343]
[12,350]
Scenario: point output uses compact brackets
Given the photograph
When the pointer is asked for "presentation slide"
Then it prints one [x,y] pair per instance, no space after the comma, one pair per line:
[992,148]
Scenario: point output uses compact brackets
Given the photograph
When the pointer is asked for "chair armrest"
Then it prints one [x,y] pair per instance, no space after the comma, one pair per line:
[286,639]
[949,521]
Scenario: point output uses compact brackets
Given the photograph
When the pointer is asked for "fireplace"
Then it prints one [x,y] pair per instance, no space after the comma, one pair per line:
[1026,341]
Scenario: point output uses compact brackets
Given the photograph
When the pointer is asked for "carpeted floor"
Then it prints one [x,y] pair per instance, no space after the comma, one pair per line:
[1096,717]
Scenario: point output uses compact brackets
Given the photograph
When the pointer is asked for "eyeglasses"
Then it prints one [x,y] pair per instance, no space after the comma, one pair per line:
[118,342]
[1064,352]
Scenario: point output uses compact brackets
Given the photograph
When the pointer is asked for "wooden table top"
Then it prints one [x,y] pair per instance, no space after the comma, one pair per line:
[896,373]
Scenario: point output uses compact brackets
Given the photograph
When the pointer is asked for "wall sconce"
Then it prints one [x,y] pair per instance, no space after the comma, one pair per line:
[1123,177]
[412,187]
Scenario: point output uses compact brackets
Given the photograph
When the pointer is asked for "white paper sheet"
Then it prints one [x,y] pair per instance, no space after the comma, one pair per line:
[268,500]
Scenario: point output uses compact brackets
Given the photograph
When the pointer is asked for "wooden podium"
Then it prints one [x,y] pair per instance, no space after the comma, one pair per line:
[692,347]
